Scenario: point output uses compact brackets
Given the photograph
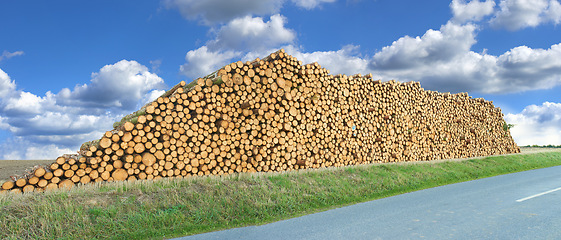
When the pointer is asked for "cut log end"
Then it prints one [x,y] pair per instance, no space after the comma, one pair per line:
[148,159]
[120,175]
[8,185]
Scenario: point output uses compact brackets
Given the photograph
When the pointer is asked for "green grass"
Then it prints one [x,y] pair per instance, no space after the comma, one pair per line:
[179,207]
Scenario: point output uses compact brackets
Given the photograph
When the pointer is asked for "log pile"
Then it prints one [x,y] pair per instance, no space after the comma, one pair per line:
[275,114]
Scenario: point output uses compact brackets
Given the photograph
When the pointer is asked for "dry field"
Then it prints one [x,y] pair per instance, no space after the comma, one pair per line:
[18,167]
[13,167]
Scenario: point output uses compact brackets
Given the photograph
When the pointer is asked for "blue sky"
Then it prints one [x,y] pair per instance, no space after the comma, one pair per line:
[69,69]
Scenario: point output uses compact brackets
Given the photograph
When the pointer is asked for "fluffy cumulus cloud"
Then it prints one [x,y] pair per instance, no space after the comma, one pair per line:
[442,60]
[7,86]
[24,103]
[211,12]
[523,68]
[346,60]
[253,34]
[517,14]
[3,124]
[435,46]
[218,11]
[471,11]
[540,125]
[241,36]
[239,29]
[43,127]
[18,148]
[553,12]
[202,61]
[120,85]
[56,127]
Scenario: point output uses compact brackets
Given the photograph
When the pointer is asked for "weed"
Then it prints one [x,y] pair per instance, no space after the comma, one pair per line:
[507,126]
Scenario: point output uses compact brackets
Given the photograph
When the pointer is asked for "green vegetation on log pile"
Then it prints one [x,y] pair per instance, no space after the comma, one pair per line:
[178,207]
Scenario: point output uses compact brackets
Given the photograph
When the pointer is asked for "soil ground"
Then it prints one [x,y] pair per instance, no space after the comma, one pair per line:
[17,167]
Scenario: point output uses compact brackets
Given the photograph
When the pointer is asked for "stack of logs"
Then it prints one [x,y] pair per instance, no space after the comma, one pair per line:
[276,114]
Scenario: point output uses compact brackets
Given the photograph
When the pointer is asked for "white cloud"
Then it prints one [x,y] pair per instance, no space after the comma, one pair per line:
[7,86]
[310,4]
[433,47]
[120,85]
[346,60]
[218,11]
[8,55]
[3,124]
[25,103]
[202,61]
[211,12]
[553,13]
[47,126]
[523,68]
[252,34]
[517,14]
[540,125]
[44,122]
[466,72]
[471,11]
[19,148]
[57,124]
[48,152]
[151,96]
[442,60]
[245,34]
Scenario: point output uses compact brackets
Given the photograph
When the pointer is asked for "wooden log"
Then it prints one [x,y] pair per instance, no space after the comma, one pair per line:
[148,159]
[21,182]
[275,115]
[75,178]
[42,183]
[8,185]
[33,180]
[105,142]
[66,184]
[139,147]
[60,161]
[28,188]
[68,173]
[128,126]
[55,180]
[39,172]
[120,175]
[85,179]
[51,186]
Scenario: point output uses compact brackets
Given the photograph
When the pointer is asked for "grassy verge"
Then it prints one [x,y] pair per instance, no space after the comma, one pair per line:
[178,207]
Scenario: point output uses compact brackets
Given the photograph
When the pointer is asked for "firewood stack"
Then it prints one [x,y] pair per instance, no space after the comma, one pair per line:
[275,114]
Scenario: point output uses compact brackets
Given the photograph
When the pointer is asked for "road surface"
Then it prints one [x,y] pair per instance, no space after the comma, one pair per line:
[525,205]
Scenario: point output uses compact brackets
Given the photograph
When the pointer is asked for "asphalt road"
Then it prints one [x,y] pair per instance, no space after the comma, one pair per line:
[525,205]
